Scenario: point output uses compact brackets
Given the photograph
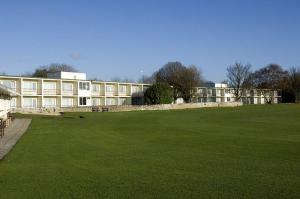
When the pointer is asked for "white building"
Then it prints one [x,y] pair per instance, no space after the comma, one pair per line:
[218,92]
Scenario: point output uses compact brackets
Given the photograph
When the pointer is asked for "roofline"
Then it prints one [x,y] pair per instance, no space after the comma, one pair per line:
[53,79]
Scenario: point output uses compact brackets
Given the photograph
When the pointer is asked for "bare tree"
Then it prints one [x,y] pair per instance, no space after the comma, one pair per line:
[238,78]
[294,75]
[183,79]
[145,79]
[270,79]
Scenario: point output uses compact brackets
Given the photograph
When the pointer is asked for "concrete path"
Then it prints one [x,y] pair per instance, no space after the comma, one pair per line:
[12,134]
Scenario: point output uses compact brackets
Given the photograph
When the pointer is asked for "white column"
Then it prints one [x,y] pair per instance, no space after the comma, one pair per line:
[42,87]
[104,93]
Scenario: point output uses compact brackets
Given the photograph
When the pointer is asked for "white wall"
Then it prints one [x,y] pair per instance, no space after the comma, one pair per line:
[67,75]
[4,108]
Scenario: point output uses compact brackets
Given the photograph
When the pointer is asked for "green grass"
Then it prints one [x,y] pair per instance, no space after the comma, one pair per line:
[245,152]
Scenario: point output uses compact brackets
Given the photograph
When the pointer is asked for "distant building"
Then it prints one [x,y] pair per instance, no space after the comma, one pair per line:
[218,92]
[69,89]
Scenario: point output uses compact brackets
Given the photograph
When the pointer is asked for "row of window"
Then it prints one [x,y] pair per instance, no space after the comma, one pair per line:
[32,86]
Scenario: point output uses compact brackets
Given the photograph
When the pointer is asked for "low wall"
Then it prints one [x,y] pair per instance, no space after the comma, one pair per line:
[56,111]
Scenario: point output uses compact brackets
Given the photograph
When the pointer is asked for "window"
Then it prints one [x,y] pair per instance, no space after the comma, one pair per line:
[209,91]
[96,101]
[123,88]
[110,101]
[200,91]
[30,86]
[84,86]
[67,86]
[67,102]
[96,87]
[49,85]
[13,103]
[83,101]
[122,101]
[110,88]
[49,102]
[30,102]
[135,89]
[9,83]
[228,99]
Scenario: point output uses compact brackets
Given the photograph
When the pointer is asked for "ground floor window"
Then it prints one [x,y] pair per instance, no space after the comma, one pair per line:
[29,102]
[122,101]
[110,101]
[67,102]
[49,102]
[228,99]
[96,101]
[83,101]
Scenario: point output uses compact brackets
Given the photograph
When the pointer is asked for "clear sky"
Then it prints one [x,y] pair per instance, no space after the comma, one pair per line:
[126,38]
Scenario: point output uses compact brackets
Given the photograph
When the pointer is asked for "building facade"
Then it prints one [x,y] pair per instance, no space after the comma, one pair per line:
[67,89]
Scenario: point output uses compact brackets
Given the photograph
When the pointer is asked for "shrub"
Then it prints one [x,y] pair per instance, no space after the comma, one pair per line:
[159,93]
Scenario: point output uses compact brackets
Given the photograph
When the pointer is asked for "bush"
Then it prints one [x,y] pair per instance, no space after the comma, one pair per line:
[159,93]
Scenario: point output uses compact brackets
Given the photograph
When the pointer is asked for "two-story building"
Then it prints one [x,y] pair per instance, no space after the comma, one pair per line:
[218,92]
[68,89]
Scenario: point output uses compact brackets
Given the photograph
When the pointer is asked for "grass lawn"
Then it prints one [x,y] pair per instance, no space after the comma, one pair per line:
[245,152]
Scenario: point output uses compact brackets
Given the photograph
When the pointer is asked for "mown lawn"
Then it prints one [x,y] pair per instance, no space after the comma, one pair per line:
[246,152]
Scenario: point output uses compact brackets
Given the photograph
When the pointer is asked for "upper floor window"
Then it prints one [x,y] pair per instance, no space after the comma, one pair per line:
[50,85]
[9,83]
[123,88]
[30,85]
[84,86]
[110,88]
[135,89]
[209,91]
[67,86]
[96,87]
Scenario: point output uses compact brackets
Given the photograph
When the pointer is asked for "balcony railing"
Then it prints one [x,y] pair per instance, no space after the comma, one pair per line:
[68,93]
[49,92]
[27,91]
[110,93]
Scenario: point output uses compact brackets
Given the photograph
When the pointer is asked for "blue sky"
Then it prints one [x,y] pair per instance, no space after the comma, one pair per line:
[113,38]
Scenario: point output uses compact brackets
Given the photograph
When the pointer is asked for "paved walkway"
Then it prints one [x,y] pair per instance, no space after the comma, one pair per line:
[12,135]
